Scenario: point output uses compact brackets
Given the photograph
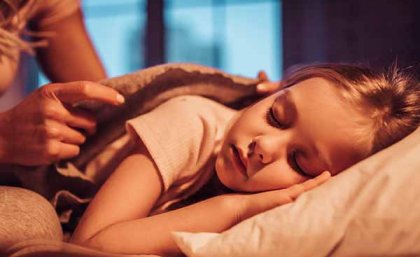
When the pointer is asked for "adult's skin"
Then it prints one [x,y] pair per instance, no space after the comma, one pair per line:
[45,127]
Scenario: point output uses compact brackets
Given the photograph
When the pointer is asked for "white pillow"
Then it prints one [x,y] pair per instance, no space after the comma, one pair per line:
[372,208]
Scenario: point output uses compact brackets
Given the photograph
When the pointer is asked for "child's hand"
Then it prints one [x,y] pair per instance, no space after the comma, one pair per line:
[266,87]
[260,202]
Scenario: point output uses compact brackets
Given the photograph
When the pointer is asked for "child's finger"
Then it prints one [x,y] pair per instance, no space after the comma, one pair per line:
[318,180]
[296,190]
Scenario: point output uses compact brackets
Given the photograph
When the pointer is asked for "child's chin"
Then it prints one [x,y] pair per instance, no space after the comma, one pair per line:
[221,173]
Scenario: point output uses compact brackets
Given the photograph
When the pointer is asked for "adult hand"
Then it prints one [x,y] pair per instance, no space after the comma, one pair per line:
[45,127]
[260,202]
[266,87]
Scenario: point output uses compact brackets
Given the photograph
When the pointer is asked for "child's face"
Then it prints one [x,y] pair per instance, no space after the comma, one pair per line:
[289,137]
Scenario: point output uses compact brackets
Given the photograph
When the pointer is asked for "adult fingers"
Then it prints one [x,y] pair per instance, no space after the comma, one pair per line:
[56,150]
[63,133]
[77,91]
[77,118]
[67,151]
[262,76]
[268,87]
[73,117]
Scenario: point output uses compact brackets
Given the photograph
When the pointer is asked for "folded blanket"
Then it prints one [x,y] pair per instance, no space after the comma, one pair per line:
[67,184]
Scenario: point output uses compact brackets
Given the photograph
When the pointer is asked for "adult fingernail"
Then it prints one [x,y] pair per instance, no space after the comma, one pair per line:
[120,98]
[262,87]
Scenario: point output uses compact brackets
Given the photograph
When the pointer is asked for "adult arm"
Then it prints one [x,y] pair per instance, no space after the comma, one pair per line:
[116,220]
[70,54]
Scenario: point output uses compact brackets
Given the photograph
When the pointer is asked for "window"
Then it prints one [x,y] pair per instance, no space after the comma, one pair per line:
[116,29]
[237,36]
[240,37]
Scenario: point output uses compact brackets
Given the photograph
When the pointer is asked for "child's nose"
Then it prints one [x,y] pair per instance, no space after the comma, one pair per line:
[264,148]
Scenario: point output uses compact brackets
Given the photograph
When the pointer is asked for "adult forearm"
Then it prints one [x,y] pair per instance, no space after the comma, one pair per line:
[70,54]
[152,235]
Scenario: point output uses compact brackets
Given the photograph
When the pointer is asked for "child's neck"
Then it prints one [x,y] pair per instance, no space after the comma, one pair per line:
[212,188]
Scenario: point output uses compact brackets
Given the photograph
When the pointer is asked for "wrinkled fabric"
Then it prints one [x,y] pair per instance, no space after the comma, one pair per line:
[70,184]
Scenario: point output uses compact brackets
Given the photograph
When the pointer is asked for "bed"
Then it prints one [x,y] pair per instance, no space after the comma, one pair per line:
[371,209]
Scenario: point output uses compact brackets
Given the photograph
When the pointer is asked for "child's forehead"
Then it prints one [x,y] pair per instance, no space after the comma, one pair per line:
[321,101]
[312,87]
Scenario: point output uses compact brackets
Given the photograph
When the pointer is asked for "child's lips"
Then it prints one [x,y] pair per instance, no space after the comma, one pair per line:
[239,160]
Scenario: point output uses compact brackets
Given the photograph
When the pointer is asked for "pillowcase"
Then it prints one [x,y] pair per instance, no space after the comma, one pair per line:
[370,209]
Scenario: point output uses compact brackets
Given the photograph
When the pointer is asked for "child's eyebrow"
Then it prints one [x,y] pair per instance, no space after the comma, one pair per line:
[289,108]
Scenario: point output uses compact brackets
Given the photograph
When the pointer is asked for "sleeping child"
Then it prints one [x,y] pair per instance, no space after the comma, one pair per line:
[200,166]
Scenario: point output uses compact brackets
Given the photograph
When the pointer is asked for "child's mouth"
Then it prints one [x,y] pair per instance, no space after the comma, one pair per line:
[237,160]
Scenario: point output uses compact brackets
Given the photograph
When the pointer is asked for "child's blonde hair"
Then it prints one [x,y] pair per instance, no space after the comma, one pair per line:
[390,99]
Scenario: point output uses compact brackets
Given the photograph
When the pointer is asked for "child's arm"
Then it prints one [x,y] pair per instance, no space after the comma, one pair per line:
[116,219]
[129,193]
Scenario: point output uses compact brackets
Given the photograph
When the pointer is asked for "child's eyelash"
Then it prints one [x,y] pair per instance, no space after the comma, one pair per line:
[271,118]
[295,165]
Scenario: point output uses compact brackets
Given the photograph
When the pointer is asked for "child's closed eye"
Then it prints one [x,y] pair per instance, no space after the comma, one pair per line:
[294,163]
[273,120]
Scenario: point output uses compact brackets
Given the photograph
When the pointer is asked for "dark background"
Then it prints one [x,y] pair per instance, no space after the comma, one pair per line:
[377,32]
[374,32]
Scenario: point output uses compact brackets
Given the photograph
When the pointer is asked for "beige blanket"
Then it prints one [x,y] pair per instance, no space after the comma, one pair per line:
[68,186]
